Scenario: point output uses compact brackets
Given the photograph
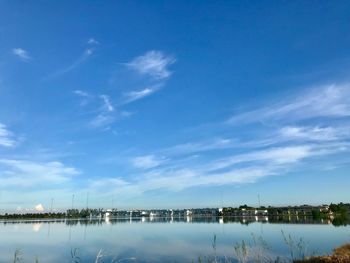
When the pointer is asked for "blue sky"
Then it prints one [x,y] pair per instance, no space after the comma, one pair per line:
[173,104]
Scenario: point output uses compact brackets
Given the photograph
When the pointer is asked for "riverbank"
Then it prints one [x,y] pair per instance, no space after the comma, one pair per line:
[340,255]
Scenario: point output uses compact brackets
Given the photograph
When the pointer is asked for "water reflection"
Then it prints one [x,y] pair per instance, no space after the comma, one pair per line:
[244,220]
[155,239]
[37,226]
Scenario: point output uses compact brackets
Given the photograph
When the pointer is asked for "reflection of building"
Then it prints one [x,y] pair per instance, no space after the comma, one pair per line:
[245,212]
[261,212]
[144,213]
[107,213]
[167,213]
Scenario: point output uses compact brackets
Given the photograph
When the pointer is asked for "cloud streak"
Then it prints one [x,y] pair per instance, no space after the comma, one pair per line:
[305,132]
[197,147]
[332,101]
[154,64]
[85,97]
[6,137]
[83,58]
[138,94]
[147,161]
[21,53]
[106,114]
[277,156]
[107,105]
[312,133]
[236,169]
[26,173]
[92,41]
[81,93]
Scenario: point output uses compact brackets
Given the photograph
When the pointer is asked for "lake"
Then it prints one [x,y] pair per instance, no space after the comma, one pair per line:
[162,240]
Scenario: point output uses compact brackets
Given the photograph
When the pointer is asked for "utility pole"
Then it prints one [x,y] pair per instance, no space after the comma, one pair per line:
[51,205]
[259,200]
[222,200]
[87,200]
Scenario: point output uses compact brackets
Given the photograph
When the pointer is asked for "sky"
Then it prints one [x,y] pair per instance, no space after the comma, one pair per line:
[173,104]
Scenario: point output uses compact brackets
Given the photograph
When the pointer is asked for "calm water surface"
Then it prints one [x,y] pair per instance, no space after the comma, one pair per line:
[158,240]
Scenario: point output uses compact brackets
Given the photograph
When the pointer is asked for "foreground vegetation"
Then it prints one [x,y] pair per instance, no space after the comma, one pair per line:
[340,255]
[256,250]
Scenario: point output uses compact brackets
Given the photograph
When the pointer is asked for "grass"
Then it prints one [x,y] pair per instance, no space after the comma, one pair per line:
[297,247]
[75,258]
[254,250]
[343,250]
[340,255]
[17,256]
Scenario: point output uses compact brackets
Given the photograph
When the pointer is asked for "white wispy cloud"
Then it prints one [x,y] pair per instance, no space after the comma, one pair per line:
[227,168]
[6,137]
[107,103]
[277,155]
[108,182]
[21,53]
[102,111]
[183,179]
[202,146]
[227,171]
[85,97]
[27,173]
[311,133]
[102,120]
[92,41]
[83,58]
[105,116]
[147,161]
[125,114]
[306,132]
[81,93]
[138,94]
[154,67]
[332,101]
[154,64]
[165,176]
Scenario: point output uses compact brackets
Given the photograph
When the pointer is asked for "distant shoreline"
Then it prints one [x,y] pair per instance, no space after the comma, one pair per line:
[244,220]
[337,214]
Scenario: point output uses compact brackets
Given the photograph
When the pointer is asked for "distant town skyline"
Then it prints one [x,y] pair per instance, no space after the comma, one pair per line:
[185,104]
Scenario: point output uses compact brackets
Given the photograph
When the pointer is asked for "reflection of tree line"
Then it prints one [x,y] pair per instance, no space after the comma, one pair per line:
[337,214]
[341,221]
[41,216]
[336,221]
[25,221]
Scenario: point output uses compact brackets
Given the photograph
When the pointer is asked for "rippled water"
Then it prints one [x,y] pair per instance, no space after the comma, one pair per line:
[159,240]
